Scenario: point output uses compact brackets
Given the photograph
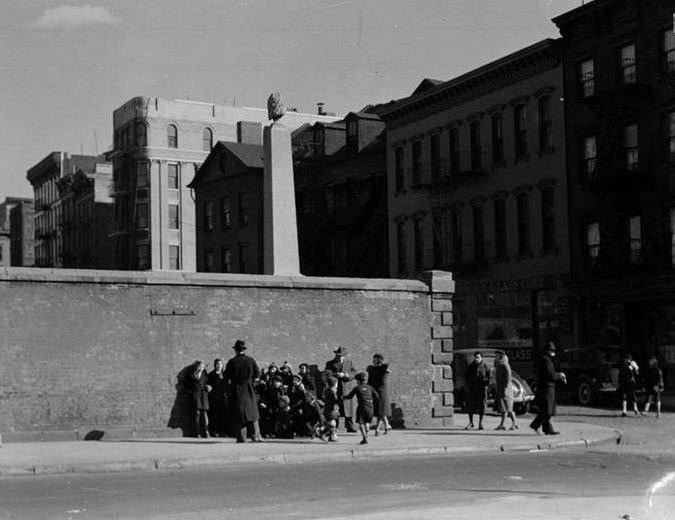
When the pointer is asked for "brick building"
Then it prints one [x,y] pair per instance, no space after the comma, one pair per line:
[22,234]
[158,147]
[60,213]
[619,62]
[5,229]
[477,185]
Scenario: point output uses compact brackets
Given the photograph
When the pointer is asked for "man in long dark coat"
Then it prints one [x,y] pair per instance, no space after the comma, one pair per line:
[545,394]
[344,372]
[240,372]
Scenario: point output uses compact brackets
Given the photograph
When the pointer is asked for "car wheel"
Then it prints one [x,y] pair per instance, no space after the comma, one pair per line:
[584,393]
[521,408]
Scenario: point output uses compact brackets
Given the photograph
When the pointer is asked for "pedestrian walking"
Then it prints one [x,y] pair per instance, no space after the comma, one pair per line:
[378,378]
[343,370]
[654,386]
[365,397]
[477,381]
[628,380]
[504,391]
[240,373]
[545,394]
[217,396]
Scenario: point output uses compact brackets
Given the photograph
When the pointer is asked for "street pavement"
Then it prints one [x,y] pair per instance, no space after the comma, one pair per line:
[47,458]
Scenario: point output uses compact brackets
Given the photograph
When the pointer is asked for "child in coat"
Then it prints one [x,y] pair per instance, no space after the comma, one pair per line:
[654,386]
[331,410]
[365,398]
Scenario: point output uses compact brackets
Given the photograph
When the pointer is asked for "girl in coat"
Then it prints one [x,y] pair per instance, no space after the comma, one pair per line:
[504,391]
[378,378]
[654,386]
[628,378]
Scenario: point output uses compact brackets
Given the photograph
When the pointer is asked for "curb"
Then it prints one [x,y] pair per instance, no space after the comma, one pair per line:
[351,454]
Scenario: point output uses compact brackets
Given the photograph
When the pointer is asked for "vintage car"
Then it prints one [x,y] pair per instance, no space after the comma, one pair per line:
[592,372]
[522,393]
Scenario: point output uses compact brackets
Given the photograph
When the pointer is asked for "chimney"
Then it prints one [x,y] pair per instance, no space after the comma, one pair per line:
[319,109]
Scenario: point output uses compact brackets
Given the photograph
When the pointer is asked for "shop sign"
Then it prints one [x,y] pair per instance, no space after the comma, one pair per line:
[523,284]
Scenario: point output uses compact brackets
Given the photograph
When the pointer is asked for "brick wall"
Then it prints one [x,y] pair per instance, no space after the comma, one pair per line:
[100,349]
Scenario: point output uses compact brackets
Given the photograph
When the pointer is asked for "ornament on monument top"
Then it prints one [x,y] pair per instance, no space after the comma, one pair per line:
[275,106]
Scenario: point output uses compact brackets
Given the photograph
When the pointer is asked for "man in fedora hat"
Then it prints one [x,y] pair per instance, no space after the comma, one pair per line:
[240,372]
[545,393]
[344,372]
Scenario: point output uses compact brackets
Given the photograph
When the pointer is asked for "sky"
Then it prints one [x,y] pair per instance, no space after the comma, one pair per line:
[65,66]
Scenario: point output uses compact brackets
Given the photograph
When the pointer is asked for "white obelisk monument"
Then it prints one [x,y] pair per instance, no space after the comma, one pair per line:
[280,228]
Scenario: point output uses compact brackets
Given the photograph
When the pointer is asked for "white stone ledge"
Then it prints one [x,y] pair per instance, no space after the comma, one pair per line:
[47,275]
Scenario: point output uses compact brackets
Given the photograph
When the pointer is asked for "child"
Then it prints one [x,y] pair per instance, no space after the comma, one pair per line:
[331,408]
[283,428]
[654,384]
[365,397]
[628,378]
[273,393]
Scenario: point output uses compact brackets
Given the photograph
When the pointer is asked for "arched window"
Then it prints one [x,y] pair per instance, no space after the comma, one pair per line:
[141,134]
[207,139]
[172,136]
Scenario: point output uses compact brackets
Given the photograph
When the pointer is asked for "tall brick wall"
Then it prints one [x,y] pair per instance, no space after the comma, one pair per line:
[99,349]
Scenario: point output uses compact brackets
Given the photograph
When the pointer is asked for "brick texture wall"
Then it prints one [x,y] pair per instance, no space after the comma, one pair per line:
[87,350]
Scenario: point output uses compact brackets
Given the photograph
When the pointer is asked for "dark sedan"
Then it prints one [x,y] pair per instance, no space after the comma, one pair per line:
[592,372]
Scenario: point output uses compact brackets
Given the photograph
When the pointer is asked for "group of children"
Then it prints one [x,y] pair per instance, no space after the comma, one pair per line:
[299,405]
[629,382]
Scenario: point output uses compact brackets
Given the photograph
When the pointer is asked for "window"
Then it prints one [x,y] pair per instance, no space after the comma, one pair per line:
[141,215]
[174,257]
[417,163]
[631,150]
[243,258]
[453,137]
[500,228]
[478,237]
[635,238]
[225,213]
[172,136]
[669,137]
[476,149]
[545,123]
[547,219]
[668,50]
[589,158]
[587,78]
[497,139]
[141,174]
[593,243]
[243,209]
[402,249]
[398,169]
[141,131]
[208,215]
[209,261]
[457,243]
[627,65]
[329,198]
[419,243]
[520,129]
[226,259]
[174,217]
[173,176]
[523,224]
[671,227]
[142,262]
[207,139]
[435,145]
[438,225]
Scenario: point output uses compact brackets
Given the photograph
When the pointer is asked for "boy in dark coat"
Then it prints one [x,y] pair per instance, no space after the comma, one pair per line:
[545,394]
[240,372]
[275,390]
[199,388]
[365,398]
[628,379]
[283,428]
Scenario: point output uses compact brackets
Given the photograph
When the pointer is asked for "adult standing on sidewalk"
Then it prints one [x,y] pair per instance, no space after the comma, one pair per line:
[477,381]
[545,394]
[378,378]
[504,390]
[217,418]
[344,372]
[240,372]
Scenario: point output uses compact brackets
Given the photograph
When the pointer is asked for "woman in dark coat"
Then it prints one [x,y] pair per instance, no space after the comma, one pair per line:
[504,391]
[477,381]
[545,394]
[240,373]
[378,378]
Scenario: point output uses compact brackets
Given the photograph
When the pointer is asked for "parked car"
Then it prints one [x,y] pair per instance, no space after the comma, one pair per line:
[522,393]
[592,372]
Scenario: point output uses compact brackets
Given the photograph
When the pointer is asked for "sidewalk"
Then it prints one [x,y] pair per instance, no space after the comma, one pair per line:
[48,458]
